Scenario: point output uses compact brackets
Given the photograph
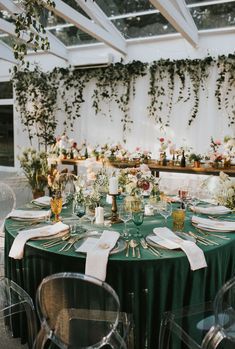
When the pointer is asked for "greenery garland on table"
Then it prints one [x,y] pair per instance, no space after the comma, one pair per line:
[116,83]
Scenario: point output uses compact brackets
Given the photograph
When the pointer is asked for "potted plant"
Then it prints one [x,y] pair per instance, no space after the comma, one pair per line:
[196,159]
[35,167]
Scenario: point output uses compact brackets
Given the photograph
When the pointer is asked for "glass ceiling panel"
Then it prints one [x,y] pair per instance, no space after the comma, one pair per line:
[9,40]
[120,7]
[143,26]
[189,2]
[71,36]
[214,16]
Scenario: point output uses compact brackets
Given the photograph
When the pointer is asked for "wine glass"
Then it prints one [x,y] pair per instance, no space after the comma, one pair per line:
[138,218]
[194,198]
[165,210]
[125,216]
[90,213]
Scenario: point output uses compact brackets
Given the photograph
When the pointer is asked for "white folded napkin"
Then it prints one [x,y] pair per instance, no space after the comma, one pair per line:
[216,225]
[98,253]
[194,254]
[17,248]
[43,201]
[211,210]
[29,214]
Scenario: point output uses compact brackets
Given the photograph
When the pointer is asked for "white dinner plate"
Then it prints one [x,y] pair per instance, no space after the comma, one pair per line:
[119,247]
[183,236]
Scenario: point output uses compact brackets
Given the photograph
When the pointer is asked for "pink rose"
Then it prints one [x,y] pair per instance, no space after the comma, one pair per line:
[161,139]
[218,142]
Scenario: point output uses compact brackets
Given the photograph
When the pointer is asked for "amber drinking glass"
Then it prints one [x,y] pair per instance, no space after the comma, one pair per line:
[56,207]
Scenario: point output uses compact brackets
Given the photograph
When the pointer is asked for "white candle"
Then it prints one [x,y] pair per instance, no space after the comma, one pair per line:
[99,215]
[109,199]
[113,185]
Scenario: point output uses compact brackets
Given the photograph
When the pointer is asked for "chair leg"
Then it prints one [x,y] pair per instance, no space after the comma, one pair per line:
[164,335]
[115,341]
[41,339]
[213,338]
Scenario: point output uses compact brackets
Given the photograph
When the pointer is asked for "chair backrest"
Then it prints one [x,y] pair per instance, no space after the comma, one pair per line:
[77,311]
[224,310]
[16,305]
[7,200]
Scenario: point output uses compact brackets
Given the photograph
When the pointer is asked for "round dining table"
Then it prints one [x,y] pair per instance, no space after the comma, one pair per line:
[146,286]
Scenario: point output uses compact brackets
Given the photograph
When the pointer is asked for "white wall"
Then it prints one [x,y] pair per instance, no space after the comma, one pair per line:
[99,128]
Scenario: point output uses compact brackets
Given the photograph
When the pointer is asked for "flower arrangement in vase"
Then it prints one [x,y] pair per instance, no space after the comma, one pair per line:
[35,168]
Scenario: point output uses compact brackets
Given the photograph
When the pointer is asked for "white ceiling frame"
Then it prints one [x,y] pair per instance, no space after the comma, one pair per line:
[9,28]
[57,48]
[185,27]
[95,13]
[10,6]
[6,53]
[185,12]
[86,25]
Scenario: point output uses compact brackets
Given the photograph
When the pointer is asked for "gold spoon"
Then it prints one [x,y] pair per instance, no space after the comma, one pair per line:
[133,245]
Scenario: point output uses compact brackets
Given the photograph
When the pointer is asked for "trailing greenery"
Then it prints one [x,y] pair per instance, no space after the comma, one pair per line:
[30,21]
[39,94]
[36,97]
[225,85]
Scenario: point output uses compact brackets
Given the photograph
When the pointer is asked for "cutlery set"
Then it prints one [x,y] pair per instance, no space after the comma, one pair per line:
[134,245]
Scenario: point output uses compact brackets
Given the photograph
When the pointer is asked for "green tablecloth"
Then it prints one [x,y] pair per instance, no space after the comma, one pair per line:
[153,284]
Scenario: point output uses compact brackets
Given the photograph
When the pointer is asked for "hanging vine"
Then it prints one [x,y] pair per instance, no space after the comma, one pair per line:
[36,100]
[38,93]
[29,22]
[225,85]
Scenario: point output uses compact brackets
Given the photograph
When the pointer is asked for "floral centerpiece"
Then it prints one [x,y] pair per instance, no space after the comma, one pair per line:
[35,167]
[224,191]
[87,196]
[135,181]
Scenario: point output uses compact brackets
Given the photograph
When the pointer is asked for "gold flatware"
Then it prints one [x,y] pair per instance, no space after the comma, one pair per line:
[69,244]
[127,248]
[133,245]
[150,248]
[56,241]
[203,240]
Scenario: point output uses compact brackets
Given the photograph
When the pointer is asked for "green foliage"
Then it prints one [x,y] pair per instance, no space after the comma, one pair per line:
[170,82]
[36,97]
[29,21]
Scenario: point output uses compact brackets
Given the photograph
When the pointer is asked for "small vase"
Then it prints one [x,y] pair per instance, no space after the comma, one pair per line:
[132,203]
[197,164]
[38,193]
[227,164]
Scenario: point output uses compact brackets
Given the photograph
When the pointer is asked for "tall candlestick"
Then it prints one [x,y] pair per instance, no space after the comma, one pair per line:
[113,186]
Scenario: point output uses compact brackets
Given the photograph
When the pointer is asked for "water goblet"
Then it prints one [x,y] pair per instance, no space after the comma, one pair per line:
[56,207]
[138,218]
[165,210]
[125,216]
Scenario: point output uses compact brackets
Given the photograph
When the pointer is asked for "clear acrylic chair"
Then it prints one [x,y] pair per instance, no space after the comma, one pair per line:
[78,311]
[16,310]
[203,326]
[7,204]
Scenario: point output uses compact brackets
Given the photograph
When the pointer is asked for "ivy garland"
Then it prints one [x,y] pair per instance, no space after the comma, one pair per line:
[117,84]
[36,98]
[29,21]
[225,85]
